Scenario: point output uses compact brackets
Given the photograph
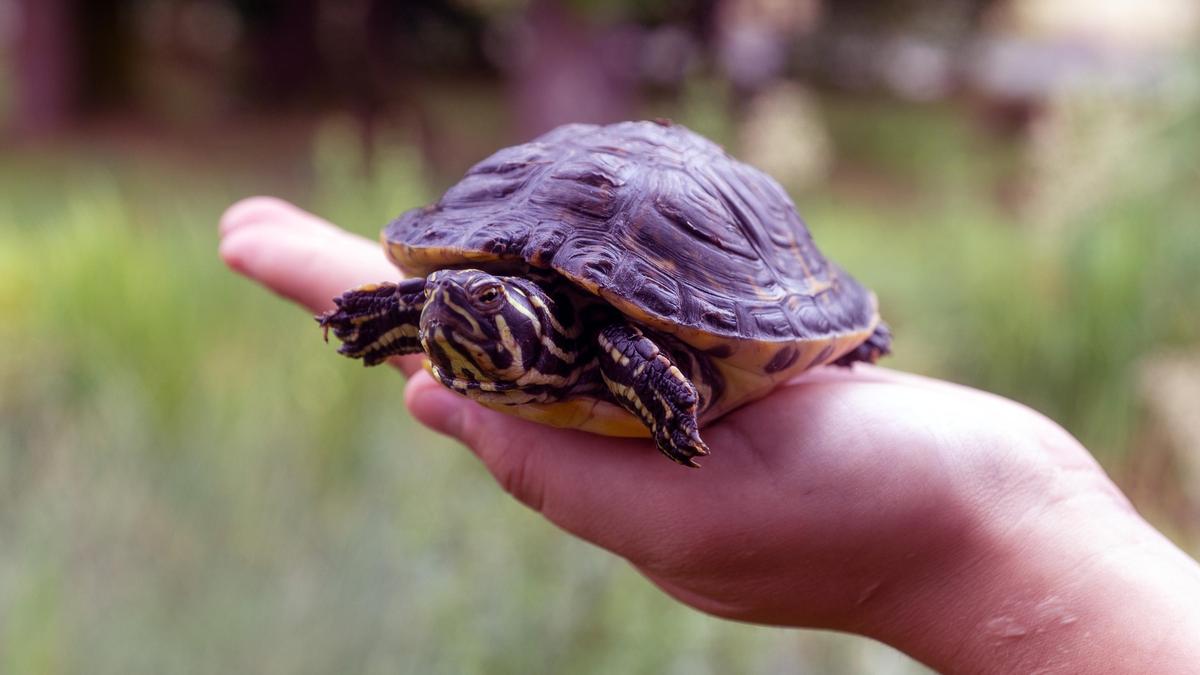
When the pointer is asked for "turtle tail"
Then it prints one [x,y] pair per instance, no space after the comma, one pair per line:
[377,321]
[879,344]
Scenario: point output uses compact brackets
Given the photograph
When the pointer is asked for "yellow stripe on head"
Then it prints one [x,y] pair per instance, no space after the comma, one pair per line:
[461,311]
[509,342]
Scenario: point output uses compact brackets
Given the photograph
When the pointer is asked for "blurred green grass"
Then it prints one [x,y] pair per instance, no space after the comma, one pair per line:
[190,481]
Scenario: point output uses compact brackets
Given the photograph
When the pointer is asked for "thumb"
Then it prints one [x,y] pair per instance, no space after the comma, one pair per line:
[617,493]
[493,437]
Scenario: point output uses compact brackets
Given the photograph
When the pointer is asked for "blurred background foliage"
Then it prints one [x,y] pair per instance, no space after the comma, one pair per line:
[190,481]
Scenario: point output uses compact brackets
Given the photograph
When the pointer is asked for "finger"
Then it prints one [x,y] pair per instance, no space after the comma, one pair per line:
[859,372]
[866,373]
[863,373]
[300,256]
[620,494]
[297,254]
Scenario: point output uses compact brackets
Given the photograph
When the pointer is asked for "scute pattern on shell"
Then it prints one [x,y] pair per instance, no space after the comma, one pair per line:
[655,215]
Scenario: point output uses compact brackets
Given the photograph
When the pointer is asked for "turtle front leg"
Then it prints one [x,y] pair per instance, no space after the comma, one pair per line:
[376,321]
[642,378]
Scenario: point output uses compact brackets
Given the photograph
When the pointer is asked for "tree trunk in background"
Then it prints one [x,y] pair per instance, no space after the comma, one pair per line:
[105,56]
[285,65]
[569,70]
[46,77]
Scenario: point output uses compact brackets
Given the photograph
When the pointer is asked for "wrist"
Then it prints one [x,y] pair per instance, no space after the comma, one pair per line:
[1080,584]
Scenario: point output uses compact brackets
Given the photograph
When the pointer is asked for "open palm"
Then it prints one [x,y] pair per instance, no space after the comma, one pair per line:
[825,504]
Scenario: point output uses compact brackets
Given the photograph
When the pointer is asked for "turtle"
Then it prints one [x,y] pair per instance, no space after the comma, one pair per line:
[630,279]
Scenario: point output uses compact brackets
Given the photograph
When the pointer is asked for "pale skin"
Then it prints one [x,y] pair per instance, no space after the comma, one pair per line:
[964,529]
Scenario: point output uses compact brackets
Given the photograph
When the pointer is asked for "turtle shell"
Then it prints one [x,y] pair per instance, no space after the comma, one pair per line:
[661,223]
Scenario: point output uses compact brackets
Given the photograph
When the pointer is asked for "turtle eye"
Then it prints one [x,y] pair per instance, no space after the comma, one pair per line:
[488,295]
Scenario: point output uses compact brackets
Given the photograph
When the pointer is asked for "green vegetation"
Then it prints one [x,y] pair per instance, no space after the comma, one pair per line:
[190,480]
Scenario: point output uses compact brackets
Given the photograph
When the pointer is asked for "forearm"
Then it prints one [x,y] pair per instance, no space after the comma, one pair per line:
[1080,587]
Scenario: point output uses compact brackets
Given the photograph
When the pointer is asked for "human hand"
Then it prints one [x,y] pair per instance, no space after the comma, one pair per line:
[958,526]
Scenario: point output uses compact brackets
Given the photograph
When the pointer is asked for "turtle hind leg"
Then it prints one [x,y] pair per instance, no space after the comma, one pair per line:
[377,321]
[644,381]
[879,344]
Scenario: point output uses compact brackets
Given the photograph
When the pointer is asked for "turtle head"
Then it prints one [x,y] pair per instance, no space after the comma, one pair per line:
[488,333]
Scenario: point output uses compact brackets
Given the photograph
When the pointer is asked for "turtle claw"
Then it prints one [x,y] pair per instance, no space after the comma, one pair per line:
[683,447]
[376,321]
[690,461]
